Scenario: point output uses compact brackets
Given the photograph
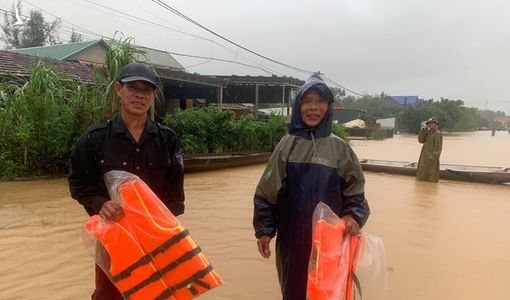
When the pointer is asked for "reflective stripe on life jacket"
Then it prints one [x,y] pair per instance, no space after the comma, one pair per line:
[113,235]
[167,264]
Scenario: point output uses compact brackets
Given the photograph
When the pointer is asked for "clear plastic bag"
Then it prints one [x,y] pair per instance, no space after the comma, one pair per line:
[344,267]
[147,253]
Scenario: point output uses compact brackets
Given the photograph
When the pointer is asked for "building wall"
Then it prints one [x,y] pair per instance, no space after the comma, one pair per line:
[246,94]
[96,54]
[346,115]
[387,122]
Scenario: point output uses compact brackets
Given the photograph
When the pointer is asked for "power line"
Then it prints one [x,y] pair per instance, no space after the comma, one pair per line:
[83,32]
[143,20]
[84,29]
[162,19]
[199,64]
[343,87]
[259,66]
[138,19]
[178,13]
[219,59]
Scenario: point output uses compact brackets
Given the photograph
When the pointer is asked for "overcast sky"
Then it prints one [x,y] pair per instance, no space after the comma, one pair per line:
[457,49]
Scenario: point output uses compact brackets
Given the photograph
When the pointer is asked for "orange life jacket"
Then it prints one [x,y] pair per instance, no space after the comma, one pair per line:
[151,255]
[335,258]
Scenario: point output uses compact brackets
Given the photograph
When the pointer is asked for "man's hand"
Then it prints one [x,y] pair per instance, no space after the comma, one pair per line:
[263,244]
[111,211]
[351,226]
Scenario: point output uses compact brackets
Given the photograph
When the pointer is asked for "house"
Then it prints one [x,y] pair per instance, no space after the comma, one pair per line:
[175,84]
[94,52]
[406,100]
[390,123]
[502,121]
[269,92]
[179,87]
[343,115]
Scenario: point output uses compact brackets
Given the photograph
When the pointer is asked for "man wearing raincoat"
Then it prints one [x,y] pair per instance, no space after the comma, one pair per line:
[309,165]
[432,140]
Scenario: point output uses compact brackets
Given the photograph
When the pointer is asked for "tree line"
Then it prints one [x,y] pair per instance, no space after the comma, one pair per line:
[453,115]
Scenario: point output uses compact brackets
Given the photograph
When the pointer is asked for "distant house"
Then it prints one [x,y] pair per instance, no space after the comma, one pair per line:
[502,120]
[390,123]
[343,115]
[94,52]
[406,100]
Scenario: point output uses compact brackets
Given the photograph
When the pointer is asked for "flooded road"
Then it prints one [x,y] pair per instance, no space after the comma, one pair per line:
[444,241]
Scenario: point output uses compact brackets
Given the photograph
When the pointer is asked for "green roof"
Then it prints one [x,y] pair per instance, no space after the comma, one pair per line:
[155,57]
[61,51]
[159,58]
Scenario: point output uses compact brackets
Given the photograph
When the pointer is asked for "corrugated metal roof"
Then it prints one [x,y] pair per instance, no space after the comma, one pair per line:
[262,80]
[404,100]
[155,57]
[160,58]
[165,73]
[61,51]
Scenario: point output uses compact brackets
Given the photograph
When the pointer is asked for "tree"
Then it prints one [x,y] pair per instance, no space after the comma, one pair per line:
[11,27]
[337,94]
[452,115]
[22,32]
[379,106]
[75,37]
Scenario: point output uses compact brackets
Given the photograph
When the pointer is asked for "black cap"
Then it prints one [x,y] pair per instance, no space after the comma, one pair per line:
[135,72]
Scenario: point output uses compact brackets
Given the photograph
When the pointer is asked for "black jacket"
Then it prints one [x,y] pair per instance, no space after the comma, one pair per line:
[155,158]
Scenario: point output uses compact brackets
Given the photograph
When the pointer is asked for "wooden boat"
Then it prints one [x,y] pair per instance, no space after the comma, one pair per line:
[207,162]
[483,174]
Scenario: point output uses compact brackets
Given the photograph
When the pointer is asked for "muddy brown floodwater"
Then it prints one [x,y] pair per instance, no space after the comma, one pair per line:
[444,241]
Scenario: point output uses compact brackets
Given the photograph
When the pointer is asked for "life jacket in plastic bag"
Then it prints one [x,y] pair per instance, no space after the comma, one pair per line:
[150,255]
[342,266]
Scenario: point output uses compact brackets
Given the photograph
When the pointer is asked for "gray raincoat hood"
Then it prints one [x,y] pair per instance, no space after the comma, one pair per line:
[297,125]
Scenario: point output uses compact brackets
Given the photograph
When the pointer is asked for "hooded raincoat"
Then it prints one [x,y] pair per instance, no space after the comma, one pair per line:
[308,166]
[428,165]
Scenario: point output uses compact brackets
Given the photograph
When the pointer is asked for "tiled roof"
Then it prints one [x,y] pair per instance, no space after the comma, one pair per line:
[19,65]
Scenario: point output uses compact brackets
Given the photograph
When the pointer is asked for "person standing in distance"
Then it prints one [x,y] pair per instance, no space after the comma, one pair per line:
[432,140]
[130,142]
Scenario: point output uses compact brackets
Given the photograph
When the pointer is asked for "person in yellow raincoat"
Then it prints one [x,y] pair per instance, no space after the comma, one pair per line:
[432,140]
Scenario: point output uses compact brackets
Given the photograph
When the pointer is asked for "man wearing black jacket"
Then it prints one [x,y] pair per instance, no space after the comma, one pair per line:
[129,142]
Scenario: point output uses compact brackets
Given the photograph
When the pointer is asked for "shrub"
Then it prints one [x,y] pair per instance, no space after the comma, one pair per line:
[378,134]
[211,130]
[339,130]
